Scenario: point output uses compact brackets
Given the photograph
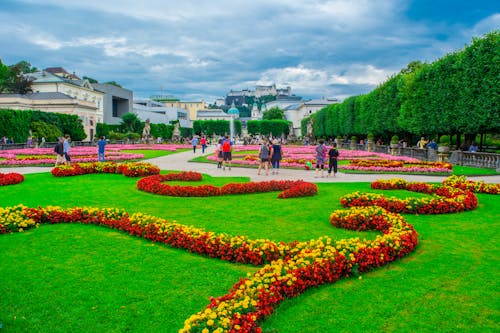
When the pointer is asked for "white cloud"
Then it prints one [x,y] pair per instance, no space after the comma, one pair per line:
[311,80]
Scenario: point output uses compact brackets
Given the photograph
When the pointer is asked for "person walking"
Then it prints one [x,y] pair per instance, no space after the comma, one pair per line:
[226,153]
[333,155]
[59,150]
[100,149]
[264,154]
[203,143]
[194,142]
[276,156]
[320,158]
[67,146]
[218,154]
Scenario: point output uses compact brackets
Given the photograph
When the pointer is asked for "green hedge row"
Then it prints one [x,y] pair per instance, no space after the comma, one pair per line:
[16,125]
[457,94]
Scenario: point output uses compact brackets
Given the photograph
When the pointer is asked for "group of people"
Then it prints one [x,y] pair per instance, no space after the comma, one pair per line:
[270,153]
[223,151]
[61,149]
[202,142]
[322,153]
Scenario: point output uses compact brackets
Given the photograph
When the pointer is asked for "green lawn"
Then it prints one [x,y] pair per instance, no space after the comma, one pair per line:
[74,278]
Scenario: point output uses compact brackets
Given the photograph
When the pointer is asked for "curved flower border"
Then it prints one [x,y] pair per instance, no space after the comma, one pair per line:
[290,268]
[133,169]
[291,188]
[10,178]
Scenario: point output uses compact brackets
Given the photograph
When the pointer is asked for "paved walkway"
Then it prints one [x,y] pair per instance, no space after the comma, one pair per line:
[179,161]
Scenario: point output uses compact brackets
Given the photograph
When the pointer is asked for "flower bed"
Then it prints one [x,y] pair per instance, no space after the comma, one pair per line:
[37,156]
[445,199]
[299,156]
[475,186]
[290,268]
[291,188]
[138,169]
[10,178]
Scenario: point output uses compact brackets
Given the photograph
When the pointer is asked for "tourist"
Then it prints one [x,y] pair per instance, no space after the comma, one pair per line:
[264,154]
[59,150]
[66,146]
[320,158]
[42,144]
[218,154]
[473,147]
[226,153]
[100,149]
[432,145]
[421,143]
[203,143]
[276,156]
[194,142]
[333,155]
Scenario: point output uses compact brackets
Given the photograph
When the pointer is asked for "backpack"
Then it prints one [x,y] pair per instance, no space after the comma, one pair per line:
[226,146]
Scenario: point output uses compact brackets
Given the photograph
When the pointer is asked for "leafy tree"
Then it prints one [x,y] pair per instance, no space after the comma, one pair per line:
[273,113]
[12,80]
[131,123]
[42,129]
[25,67]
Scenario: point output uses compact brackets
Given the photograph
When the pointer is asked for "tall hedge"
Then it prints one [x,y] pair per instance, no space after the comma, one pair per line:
[457,94]
[16,124]
[276,127]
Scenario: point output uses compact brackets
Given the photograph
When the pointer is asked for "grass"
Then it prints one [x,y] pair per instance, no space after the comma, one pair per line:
[148,153]
[100,280]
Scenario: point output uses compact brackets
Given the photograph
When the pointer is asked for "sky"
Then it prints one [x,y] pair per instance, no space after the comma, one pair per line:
[200,50]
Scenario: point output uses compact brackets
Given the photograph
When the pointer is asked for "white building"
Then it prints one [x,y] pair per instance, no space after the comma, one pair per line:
[295,111]
[158,113]
[213,114]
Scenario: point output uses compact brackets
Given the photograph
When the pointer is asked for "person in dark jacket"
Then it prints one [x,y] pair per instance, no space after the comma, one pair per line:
[59,150]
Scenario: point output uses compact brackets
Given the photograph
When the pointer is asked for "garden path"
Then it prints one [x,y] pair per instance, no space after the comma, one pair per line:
[180,161]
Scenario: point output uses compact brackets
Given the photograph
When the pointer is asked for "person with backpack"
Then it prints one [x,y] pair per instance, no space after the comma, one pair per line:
[333,155]
[276,156]
[226,153]
[320,158]
[264,153]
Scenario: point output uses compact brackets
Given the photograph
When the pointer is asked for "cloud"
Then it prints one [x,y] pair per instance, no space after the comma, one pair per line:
[319,81]
[319,47]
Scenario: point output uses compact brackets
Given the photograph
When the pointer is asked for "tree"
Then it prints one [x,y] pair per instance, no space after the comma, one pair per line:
[12,79]
[273,113]
[26,67]
[131,123]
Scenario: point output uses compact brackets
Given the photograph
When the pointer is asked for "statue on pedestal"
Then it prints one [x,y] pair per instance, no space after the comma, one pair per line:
[146,131]
[176,135]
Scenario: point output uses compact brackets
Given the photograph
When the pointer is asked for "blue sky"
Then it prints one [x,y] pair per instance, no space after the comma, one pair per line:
[202,49]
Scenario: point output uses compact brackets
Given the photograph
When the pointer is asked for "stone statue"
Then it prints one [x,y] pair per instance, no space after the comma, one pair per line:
[309,128]
[146,132]
[176,135]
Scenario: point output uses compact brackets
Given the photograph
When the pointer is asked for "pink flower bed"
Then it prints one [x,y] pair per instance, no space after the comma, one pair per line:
[36,156]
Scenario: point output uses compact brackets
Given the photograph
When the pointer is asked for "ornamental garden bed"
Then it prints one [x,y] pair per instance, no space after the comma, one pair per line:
[250,217]
[113,152]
